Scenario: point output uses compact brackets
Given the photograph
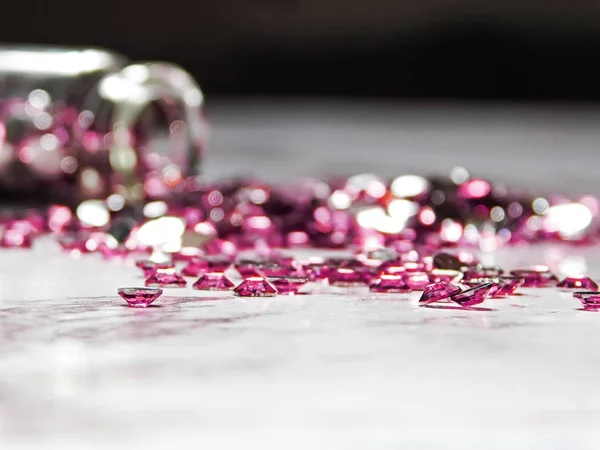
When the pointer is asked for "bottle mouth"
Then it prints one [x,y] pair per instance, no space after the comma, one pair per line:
[153,114]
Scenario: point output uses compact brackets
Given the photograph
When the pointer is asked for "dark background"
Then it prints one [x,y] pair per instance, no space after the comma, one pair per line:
[465,49]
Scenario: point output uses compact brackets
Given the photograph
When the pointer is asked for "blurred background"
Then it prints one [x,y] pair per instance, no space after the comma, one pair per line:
[463,49]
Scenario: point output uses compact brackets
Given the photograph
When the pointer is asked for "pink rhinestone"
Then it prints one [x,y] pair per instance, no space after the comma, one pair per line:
[473,296]
[288,285]
[509,286]
[345,276]
[437,275]
[187,254]
[277,270]
[195,268]
[166,278]
[578,283]
[247,268]
[441,290]
[139,297]
[496,283]
[16,239]
[218,264]
[589,299]
[417,281]
[537,277]
[389,283]
[255,287]
[394,270]
[215,281]
[150,267]
[482,272]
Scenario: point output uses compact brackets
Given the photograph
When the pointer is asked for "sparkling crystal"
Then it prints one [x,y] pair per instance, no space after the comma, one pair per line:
[589,299]
[150,267]
[277,270]
[389,284]
[473,296]
[437,275]
[578,283]
[509,286]
[496,283]
[417,281]
[218,264]
[255,287]
[537,277]
[215,281]
[442,290]
[345,276]
[196,267]
[288,285]
[166,278]
[139,297]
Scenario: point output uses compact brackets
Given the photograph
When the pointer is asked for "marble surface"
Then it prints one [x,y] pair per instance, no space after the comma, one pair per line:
[336,368]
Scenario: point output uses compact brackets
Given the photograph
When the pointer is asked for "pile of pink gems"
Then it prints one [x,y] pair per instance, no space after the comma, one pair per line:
[404,234]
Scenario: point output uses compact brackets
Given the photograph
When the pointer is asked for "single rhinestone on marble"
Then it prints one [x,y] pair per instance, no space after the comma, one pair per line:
[417,281]
[255,287]
[150,267]
[345,276]
[589,299]
[288,285]
[578,283]
[473,296]
[214,281]
[437,275]
[166,278]
[446,261]
[139,297]
[16,239]
[442,290]
[386,283]
[537,277]
[195,267]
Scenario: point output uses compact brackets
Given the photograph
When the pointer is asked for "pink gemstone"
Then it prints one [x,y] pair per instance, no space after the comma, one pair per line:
[589,299]
[496,283]
[509,286]
[318,271]
[482,272]
[541,277]
[218,264]
[247,268]
[288,285]
[16,239]
[441,290]
[578,283]
[389,283]
[150,267]
[187,254]
[195,268]
[394,270]
[277,270]
[345,276]
[473,296]
[140,297]
[215,281]
[255,287]
[166,278]
[437,275]
[417,281]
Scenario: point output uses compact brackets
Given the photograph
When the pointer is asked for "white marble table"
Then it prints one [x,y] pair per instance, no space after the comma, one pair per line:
[337,369]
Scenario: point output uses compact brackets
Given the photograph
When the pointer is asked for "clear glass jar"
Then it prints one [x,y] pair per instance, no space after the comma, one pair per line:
[78,123]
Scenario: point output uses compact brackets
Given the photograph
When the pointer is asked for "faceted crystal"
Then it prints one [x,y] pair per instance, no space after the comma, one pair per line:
[441,290]
[578,283]
[437,275]
[389,284]
[496,283]
[247,268]
[589,299]
[195,267]
[218,264]
[139,297]
[473,296]
[345,276]
[510,285]
[537,277]
[166,278]
[417,281]
[255,287]
[288,285]
[150,267]
[215,281]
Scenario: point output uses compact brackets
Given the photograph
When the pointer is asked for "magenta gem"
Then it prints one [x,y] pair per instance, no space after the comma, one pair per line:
[345,276]
[482,272]
[16,239]
[389,284]
[247,268]
[277,270]
[187,254]
[578,283]
[150,267]
[509,286]
[541,277]
[447,275]
[442,290]
[288,285]
[139,297]
[473,296]
[215,281]
[255,287]
[589,299]
[166,278]
[394,270]
[496,283]
[218,264]
[417,281]
[195,268]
